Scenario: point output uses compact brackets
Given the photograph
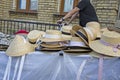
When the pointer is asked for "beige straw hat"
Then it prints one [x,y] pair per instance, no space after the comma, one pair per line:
[91,33]
[96,26]
[52,36]
[66,34]
[34,35]
[80,32]
[19,46]
[109,44]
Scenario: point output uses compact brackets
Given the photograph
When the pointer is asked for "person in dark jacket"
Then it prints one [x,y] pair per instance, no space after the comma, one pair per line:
[86,13]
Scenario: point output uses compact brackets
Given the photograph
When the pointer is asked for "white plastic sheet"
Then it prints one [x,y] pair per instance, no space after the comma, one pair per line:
[51,66]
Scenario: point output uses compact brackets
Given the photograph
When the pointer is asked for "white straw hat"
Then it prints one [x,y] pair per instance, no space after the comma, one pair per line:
[19,46]
[109,44]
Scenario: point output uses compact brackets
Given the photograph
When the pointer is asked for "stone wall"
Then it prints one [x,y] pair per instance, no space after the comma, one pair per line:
[106,10]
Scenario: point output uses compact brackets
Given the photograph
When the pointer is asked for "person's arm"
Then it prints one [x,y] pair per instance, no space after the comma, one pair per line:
[73,17]
[69,14]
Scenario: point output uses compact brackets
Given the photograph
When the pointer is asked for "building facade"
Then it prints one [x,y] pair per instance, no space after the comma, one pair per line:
[49,11]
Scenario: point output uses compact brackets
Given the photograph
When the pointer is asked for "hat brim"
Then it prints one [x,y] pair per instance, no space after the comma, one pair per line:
[51,49]
[78,47]
[97,55]
[77,50]
[102,49]
[50,45]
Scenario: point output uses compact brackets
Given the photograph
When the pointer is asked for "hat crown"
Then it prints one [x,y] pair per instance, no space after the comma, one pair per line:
[111,37]
[53,32]
[34,35]
[66,28]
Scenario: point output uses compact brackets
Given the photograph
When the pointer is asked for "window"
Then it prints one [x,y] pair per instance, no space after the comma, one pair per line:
[27,5]
[67,5]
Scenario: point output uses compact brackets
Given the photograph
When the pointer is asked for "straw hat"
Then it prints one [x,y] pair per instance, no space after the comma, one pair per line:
[66,34]
[80,32]
[91,33]
[96,26]
[52,36]
[19,46]
[34,35]
[109,44]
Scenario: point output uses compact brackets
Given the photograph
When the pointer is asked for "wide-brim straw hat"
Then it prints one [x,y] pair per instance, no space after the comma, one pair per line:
[79,31]
[96,26]
[34,35]
[52,36]
[51,44]
[19,46]
[109,44]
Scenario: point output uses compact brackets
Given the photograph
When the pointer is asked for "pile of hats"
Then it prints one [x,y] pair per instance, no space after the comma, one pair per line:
[52,41]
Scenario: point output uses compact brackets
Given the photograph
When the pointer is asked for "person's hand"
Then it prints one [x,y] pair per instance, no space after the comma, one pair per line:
[60,21]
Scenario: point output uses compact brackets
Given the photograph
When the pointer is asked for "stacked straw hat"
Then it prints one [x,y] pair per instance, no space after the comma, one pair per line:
[52,40]
[66,34]
[19,46]
[95,26]
[87,34]
[35,35]
[109,44]
[77,45]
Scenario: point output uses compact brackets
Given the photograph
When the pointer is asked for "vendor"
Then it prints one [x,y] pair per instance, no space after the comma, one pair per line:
[86,13]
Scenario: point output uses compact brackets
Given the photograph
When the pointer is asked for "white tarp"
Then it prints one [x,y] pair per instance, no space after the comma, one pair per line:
[46,66]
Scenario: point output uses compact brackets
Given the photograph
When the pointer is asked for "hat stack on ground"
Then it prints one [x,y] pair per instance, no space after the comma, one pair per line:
[52,41]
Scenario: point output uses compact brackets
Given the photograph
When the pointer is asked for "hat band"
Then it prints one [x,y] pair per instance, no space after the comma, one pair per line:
[89,31]
[52,36]
[66,33]
[114,46]
[75,43]
[82,35]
